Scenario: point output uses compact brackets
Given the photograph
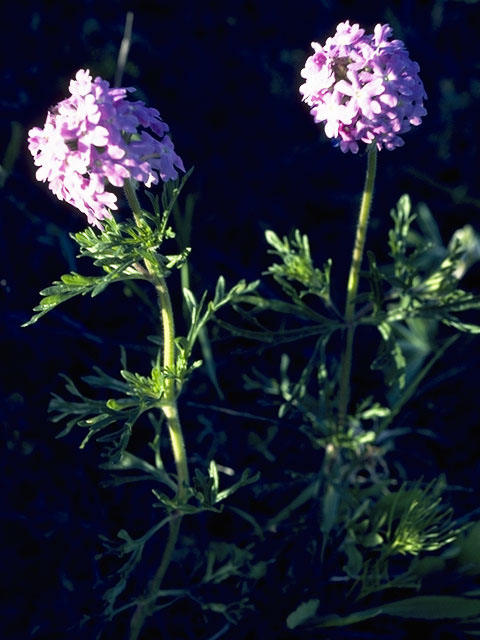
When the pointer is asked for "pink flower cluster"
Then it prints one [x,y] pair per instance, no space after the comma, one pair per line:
[97,137]
[363,87]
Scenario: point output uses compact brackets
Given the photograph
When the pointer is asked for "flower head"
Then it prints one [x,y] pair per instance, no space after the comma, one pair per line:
[363,87]
[97,138]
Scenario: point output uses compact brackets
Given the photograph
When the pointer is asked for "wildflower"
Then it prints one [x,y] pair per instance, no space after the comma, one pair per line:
[363,87]
[96,138]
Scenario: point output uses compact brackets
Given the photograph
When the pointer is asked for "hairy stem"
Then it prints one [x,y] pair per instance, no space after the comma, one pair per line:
[352,287]
[170,410]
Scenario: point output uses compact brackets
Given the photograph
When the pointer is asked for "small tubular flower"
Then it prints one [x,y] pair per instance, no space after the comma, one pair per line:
[364,88]
[97,138]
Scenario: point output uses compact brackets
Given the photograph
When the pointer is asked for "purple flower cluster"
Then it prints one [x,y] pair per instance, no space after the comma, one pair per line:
[97,137]
[363,87]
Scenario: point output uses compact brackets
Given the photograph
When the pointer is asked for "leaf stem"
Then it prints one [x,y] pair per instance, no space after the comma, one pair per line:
[352,287]
[170,411]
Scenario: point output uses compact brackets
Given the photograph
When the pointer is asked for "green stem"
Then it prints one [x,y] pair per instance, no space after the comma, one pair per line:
[144,607]
[170,410]
[133,201]
[169,404]
[352,287]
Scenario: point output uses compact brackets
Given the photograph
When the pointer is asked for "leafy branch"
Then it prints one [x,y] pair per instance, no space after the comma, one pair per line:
[119,251]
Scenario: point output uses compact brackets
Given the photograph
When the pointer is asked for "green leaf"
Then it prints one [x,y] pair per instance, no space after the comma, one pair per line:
[390,359]
[201,313]
[67,287]
[206,487]
[110,596]
[372,539]
[303,612]
[334,620]
[177,260]
[138,394]
[128,462]
[219,291]
[74,284]
[354,563]
[190,300]
[296,273]
[375,281]
[323,329]
[413,385]
[465,327]
[245,480]
[434,607]
[425,281]
[118,250]
[330,505]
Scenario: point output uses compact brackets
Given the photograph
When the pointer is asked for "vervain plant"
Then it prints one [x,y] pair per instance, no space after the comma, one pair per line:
[367,92]
[94,139]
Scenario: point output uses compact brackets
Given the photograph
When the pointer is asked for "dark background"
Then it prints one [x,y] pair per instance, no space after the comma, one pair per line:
[225,77]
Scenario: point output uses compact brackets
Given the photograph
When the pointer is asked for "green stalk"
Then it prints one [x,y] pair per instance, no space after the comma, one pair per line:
[170,410]
[352,287]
